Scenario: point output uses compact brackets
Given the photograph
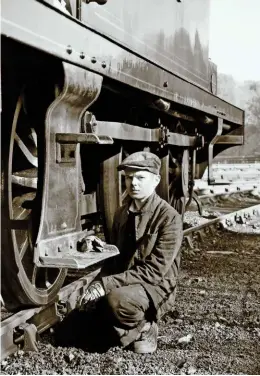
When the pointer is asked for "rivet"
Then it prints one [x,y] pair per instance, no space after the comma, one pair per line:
[103,65]
[82,55]
[93,60]
[69,49]
[165,84]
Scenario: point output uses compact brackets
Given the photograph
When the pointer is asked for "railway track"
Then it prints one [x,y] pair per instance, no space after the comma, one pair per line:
[21,330]
[235,172]
[202,188]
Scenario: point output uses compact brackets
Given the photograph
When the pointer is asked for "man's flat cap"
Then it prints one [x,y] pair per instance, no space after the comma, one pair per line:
[142,160]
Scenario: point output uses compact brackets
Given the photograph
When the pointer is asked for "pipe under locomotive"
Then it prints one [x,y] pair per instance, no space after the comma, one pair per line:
[83,86]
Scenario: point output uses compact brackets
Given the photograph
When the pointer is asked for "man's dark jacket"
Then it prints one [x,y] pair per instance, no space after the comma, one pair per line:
[155,261]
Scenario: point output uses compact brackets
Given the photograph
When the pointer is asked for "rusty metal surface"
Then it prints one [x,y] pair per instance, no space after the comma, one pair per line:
[72,41]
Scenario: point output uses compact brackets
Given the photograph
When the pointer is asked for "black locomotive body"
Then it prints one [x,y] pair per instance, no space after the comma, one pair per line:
[83,85]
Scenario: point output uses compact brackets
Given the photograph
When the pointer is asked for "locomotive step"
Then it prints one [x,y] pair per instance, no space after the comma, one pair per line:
[74,260]
[65,252]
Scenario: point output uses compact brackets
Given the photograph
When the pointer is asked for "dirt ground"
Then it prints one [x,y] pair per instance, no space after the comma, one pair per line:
[217,312]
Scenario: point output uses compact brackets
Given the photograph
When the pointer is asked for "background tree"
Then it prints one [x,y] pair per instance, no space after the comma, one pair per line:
[254,104]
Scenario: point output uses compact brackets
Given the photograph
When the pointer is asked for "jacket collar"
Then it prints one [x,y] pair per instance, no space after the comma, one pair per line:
[144,215]
[149,206]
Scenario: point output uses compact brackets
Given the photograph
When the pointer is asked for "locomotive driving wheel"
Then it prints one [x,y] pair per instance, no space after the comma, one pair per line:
[23,283]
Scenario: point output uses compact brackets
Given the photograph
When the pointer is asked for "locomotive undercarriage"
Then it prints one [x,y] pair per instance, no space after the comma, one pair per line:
[64,131]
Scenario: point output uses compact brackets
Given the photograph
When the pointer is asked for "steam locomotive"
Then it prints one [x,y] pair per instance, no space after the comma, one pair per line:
[84,84]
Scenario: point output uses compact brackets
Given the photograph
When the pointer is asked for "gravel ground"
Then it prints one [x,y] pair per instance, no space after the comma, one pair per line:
[192,218]
[217,313]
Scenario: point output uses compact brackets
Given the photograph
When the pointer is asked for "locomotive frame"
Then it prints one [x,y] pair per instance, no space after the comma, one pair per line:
[73,111]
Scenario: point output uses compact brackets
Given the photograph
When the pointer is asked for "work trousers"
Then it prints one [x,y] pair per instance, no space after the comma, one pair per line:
[129,308]
[116,319]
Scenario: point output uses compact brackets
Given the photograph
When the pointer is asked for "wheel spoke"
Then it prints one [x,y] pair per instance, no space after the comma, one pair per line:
[34,275]
[33,136]
[26,178]
[29,156]
[21,205]
[19,213]
[24,182]
[23,248]
[17,112]
[46,277]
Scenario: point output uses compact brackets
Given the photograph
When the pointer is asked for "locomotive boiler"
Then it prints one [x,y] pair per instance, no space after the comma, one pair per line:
[84,84]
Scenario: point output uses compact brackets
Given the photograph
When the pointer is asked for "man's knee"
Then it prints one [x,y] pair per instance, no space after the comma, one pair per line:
[128,304]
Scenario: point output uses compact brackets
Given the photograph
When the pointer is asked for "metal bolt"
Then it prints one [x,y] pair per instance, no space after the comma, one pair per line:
[69,49]
[165,84]
[82,55]
[103,64]
[93,60]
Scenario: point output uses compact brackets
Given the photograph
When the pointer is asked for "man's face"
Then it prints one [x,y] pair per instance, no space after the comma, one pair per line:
[140,184]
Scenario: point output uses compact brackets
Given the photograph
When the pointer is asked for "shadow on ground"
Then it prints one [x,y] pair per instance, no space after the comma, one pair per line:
[85,330]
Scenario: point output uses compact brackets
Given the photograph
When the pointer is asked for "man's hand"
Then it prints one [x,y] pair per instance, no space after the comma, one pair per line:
[94,292]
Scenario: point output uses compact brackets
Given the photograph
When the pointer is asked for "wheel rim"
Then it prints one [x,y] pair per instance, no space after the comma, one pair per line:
[31,285]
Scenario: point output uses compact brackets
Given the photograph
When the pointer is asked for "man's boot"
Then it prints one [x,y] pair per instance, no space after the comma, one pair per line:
[147,342]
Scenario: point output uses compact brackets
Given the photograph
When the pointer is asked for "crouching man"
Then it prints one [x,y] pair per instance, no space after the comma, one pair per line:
[138,286]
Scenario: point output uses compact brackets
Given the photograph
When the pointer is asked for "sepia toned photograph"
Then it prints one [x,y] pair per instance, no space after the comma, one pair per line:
[130,187]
